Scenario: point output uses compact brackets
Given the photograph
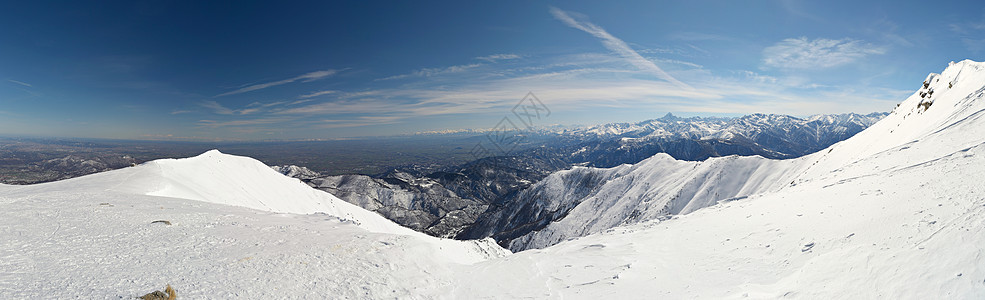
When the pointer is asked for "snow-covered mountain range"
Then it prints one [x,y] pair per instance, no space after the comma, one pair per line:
[584,200]
[448,203]
[896,211]
[589,200]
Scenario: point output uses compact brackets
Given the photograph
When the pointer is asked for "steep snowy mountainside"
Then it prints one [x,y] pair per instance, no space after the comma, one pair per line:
[661,186]
[911,233]
[652,189]
[945,114]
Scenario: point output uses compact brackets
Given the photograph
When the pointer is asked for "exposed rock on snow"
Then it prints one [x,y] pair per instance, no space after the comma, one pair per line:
[302,173]
[418,203]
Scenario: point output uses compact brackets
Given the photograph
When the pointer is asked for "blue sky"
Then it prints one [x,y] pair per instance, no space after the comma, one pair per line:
[242,70]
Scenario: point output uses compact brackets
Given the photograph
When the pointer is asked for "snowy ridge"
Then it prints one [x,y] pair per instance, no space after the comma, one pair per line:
[242,181]
[657,187]
[898,211]
[661,186]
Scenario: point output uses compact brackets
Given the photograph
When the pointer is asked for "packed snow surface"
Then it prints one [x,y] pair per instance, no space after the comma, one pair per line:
[896,212]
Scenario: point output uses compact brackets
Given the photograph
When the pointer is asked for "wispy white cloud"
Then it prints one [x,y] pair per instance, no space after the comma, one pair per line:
[616,45]
[429,72]
[316,94]
[265,105]
[302,78]
[244,122]
[20,83]
[887,31]
[971,34]
[498,57]
[252,108]
[178,112]
[299,102]
[967,27]
[217,108]
[759,78]
[357,122]
[796,8]
[169,136]
[678,62]
[801,53]
[974,45]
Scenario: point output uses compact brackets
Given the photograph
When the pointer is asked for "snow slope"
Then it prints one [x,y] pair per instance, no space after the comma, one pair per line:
[661,186]
[911,234]
[896,212]
[238,229]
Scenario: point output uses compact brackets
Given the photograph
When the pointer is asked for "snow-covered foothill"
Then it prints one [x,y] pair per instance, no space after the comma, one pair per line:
[235,228]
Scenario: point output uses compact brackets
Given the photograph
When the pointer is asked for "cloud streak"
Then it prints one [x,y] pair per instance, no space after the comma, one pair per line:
[498,57]
[248,122]
[429,72]
[316,94]
[801,53]
[20,83]
[217,108]
[308,77]
[616,45]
